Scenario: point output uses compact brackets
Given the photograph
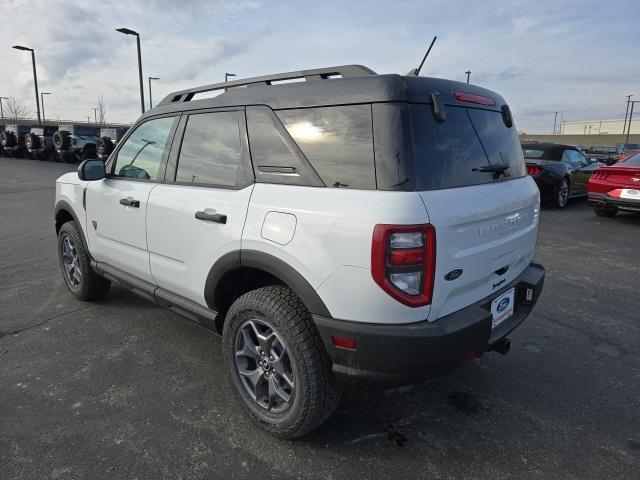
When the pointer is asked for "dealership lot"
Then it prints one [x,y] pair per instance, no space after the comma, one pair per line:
[125,389]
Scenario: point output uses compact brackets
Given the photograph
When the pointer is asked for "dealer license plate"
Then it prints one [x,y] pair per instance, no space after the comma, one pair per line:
[502,307]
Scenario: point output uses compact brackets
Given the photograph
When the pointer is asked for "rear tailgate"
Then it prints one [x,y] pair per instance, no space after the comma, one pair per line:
[487,231]
[472,178]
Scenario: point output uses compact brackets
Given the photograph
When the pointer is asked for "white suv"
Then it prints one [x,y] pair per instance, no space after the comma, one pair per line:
[347,227]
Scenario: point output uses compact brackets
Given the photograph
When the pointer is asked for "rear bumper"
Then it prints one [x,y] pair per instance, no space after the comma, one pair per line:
[597,199]
[390,355]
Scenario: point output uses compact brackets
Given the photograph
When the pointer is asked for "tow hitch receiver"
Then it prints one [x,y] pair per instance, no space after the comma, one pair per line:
[501,346]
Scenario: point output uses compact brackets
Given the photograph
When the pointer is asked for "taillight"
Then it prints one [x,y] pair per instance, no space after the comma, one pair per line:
[471,98]
[403,262]
[533,170]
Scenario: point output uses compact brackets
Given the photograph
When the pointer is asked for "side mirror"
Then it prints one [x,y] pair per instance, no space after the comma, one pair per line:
[92,169]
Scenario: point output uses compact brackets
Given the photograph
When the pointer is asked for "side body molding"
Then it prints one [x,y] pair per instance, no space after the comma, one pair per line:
[270,264]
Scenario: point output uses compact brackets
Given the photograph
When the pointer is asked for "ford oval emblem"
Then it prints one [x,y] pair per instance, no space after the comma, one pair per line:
[453,274]
[504,303]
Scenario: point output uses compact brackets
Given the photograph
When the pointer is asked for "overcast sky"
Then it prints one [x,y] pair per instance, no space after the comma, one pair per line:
[582,57]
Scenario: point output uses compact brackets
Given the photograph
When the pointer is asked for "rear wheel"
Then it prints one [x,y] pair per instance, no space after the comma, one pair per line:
[561,197]
[75,265]
[603,211]
[277,362]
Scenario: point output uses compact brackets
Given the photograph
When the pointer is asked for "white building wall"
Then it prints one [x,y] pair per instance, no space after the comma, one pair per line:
[596,127]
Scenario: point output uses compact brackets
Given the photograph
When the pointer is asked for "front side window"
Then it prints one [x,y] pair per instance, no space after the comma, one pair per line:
[211,150]
[141,154]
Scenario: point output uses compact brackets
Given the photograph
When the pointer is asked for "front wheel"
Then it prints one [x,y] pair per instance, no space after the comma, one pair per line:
[75,264]
[277,362]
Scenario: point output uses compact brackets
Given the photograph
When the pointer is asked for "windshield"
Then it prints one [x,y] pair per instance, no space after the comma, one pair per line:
[632,160]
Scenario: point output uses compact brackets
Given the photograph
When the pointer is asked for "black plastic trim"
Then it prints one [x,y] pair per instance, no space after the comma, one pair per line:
[63,205]
[270,264]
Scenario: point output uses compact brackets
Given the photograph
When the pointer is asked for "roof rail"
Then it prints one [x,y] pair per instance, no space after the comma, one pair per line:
[309,75]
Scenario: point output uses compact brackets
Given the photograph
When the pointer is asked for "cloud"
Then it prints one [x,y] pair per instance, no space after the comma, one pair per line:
[557,59]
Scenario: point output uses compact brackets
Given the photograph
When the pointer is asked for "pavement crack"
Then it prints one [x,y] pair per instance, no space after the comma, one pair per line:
[46,320]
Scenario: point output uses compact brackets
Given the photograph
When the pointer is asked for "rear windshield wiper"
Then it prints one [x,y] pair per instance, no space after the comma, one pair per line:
[497,168]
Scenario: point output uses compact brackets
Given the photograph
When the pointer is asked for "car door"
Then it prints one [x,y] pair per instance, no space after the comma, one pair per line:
[197,215]
[117,205]
[582,171]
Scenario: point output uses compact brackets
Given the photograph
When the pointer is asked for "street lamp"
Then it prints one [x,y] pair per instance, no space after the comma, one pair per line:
[633,102]
[128,31]
[95,114]
[150,99]
[42,94]
[1,112]
[624,128]
[554,123]
[468,73]
[226,78]
[35,76]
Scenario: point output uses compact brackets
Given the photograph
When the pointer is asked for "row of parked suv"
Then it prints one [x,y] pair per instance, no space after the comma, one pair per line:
[69,143]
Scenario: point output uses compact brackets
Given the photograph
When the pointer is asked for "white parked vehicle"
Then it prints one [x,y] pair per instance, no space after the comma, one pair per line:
[350,227]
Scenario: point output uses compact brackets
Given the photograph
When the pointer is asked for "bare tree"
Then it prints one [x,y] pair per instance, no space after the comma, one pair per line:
[15,110]
[102,111]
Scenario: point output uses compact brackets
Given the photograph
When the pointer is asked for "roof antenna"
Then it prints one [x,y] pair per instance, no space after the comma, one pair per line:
[416,71]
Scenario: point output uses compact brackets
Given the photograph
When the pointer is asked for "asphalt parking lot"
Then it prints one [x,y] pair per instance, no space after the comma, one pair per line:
[125,389]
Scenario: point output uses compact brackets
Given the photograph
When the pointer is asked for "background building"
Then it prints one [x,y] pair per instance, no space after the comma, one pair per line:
[600,127]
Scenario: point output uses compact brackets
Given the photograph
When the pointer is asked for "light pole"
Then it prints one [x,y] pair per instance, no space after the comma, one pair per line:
[128,31]
[554,123]
[624,128]
[150,99]
[226,78]
[633,102]
[1,111]
[468,73]
[95,114]
[42,94]
[35,75]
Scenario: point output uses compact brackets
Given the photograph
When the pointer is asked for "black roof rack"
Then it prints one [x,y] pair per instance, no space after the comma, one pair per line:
[343,71]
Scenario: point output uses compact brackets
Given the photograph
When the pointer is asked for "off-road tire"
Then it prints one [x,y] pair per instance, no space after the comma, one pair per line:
[92,286]
[605,212]
[316,393]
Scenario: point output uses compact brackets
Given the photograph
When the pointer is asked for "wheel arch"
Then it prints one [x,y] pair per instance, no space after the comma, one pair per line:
[64,213]
[241,271]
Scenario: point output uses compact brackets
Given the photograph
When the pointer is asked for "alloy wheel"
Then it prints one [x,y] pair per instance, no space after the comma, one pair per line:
[264,366]
[71,262]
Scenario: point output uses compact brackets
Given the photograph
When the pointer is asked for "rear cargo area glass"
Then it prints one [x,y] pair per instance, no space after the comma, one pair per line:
[448,154]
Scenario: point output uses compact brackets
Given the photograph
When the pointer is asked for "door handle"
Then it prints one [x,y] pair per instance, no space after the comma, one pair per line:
[212,217]
[130,202]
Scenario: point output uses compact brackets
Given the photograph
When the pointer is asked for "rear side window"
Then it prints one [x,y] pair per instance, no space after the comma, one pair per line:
[211,150]
[453,153]
[531,153]
[276,158]
[337,141]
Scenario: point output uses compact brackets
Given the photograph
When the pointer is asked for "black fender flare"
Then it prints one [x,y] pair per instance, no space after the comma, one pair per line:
[270,264]
[64,205]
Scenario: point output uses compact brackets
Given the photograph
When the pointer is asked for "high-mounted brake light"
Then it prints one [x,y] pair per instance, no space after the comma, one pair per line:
[471,98]
[403,259]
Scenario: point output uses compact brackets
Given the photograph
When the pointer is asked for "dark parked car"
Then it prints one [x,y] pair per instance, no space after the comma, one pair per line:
[1,147]
[76,142]
[602,153]
[39,142]
[109,138]
[12,140]
[561,171]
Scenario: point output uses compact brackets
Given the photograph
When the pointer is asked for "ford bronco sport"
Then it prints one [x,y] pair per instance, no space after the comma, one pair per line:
[346,227]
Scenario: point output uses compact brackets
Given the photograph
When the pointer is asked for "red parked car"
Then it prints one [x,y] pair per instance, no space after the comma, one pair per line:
[616,187]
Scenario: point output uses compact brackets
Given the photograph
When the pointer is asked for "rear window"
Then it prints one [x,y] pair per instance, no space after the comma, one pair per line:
[337,141]
[453,153]
[532,153]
